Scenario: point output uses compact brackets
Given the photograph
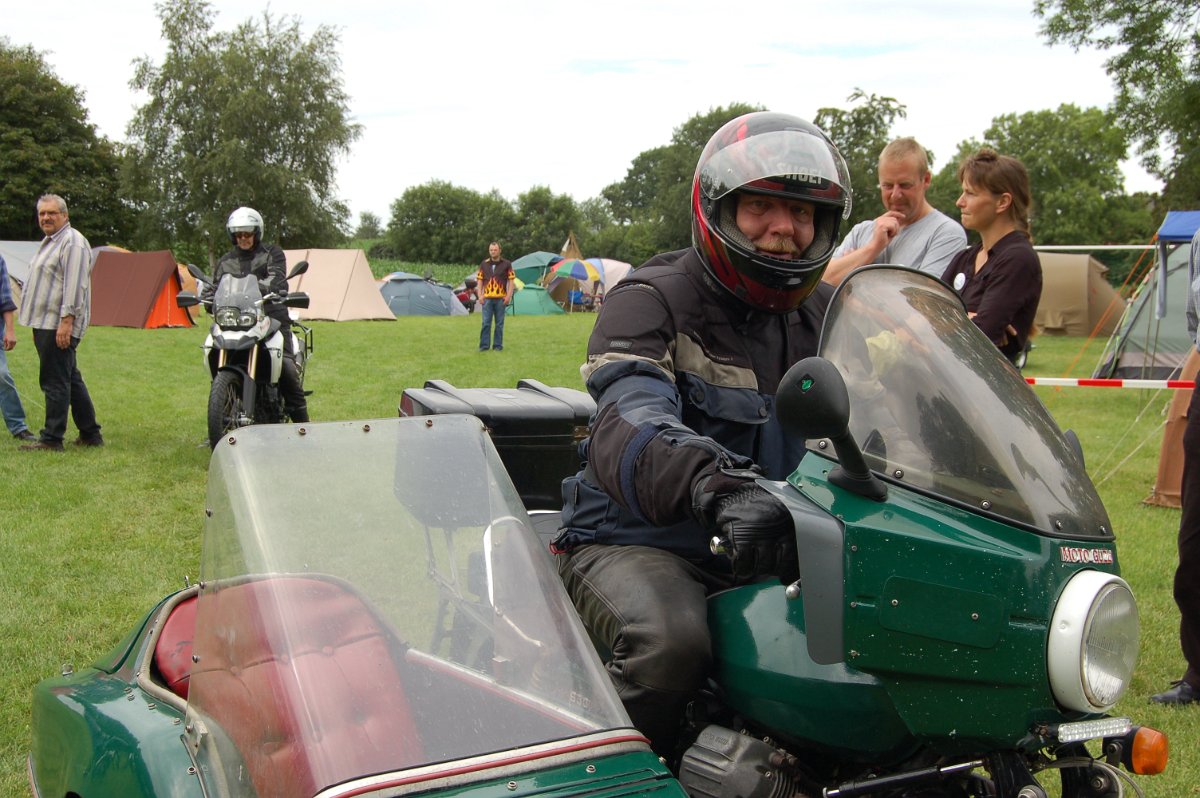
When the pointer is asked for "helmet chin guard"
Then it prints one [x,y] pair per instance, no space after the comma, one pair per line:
[781,156]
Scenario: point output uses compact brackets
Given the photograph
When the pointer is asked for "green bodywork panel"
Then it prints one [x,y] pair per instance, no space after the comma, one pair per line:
[946,622]
[95,732]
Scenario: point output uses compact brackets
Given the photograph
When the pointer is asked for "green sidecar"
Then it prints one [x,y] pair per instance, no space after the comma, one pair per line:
[320,653]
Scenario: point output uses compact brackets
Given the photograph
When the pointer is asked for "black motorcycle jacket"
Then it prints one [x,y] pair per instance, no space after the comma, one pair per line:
[266,262]
[684,377]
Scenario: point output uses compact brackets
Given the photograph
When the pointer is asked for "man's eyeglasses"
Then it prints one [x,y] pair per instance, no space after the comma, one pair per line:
[243,235]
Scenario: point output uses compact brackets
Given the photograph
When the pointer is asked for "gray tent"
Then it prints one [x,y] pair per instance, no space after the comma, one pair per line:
[1152,341]
[17,257]
[409,295]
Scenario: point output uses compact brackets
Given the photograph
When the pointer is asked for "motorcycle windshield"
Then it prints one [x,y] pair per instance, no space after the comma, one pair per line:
[374,600]
[237,292]
[935,406]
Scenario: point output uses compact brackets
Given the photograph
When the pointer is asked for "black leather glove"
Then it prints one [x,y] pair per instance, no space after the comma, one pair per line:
[759,534]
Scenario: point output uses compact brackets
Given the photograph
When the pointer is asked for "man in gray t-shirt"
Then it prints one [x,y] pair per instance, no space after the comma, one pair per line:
[911,232]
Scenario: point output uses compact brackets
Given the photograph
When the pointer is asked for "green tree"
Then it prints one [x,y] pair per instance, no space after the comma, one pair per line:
[254,117]
[369,226]
[1073,157]
[543,221]
[654,198]
[944,188]
[438,222]
[861,133]
[1155,64]
[633,197]
[47,145]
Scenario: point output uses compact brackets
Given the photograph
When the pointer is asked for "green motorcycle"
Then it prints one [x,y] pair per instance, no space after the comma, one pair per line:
[391,623]
[960,627]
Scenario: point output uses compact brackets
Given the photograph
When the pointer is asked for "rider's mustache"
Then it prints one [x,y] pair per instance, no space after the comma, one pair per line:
[779,245]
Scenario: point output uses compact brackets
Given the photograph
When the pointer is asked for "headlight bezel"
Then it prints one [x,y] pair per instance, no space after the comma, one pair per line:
[231,317]
[1093,642]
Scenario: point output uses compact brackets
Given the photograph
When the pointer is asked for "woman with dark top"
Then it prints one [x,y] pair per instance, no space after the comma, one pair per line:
[999,279]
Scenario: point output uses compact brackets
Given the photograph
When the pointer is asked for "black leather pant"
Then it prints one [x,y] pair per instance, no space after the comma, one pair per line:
[290,388]
[649,608]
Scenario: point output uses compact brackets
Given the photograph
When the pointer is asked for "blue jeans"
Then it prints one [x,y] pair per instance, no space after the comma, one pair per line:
[10,402]
[492,309]
[64,389]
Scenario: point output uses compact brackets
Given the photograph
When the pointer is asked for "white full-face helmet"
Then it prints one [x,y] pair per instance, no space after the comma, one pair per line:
[245,220]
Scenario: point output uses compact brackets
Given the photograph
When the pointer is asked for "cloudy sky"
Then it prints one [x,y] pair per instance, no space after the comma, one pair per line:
[508,95]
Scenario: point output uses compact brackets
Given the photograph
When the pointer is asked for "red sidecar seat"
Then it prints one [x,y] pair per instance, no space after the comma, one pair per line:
[307,704]
[173,651]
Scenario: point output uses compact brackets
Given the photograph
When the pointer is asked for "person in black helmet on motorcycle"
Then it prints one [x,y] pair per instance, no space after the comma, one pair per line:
[268,263]
[684,363]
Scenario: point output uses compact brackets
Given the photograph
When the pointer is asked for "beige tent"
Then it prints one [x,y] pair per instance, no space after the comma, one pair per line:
[339,284]
[1076,297]
[570,247]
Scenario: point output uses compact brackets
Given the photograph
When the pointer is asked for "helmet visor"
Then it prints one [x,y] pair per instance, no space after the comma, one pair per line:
[243,228]
[805,166]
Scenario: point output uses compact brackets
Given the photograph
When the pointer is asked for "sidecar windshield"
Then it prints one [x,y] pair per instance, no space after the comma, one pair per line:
[238,292]
[934,405]
[373,600]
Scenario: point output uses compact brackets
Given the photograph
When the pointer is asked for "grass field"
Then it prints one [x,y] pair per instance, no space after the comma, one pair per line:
[90,539]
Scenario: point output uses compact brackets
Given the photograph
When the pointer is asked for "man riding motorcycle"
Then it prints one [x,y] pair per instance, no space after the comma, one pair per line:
[684,363]
[250,256]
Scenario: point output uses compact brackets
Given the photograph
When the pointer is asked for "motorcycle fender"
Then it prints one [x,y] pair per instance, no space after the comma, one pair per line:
[274,347]
[820,543]
[234,340]
[249,387]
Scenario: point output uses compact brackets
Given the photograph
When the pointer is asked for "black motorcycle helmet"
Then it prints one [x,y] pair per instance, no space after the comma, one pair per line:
[782,156]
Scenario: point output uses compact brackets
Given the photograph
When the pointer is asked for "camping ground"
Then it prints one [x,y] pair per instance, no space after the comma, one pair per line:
[93,538]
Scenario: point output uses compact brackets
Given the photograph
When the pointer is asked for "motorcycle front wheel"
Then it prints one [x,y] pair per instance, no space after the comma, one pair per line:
[224,405]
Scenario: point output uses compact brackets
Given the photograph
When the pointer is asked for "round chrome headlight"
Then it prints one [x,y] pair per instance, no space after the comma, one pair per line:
[1093,642]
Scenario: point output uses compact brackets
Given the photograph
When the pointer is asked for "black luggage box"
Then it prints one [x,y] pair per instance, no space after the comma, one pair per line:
[535,428]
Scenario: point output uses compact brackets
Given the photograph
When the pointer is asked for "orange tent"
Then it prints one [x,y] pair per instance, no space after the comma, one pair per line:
[137,289]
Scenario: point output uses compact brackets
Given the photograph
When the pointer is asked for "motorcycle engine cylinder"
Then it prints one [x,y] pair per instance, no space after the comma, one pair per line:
[725,764]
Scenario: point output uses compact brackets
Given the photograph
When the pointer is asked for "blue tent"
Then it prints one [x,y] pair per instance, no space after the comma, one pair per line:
[1177,229]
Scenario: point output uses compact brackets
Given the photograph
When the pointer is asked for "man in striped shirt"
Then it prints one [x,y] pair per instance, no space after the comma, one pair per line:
[56,304]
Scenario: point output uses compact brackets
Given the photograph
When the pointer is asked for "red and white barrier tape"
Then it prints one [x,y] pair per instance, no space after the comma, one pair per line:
[1096,383]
